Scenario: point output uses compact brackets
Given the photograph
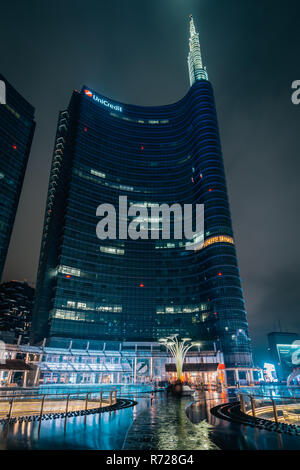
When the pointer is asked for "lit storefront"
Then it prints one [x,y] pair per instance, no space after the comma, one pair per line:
[125,363]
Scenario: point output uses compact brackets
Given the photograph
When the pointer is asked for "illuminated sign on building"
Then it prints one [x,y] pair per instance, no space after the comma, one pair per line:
[289,355]
[103,101]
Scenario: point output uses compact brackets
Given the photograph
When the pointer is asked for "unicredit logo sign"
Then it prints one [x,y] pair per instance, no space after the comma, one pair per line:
[103,101]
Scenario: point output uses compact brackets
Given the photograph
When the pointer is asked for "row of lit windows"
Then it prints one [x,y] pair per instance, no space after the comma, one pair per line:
[112,250]
[181,308]
[92,306]
[140,121]
[121,187]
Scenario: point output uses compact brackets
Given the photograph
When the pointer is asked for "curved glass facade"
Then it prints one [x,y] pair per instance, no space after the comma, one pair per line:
[144,289]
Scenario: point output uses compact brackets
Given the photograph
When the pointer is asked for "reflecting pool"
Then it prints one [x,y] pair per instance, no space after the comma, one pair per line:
[104,431]
[158,421]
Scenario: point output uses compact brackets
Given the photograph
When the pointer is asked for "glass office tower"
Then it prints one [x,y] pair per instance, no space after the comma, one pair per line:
[16,132]
[140,290]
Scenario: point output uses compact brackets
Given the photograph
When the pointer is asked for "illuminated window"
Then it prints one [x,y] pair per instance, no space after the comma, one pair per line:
[69,270]
[98,173]
[183,309]
[144,204]
[81,305]
[109,308]
[169,309]
[126,188]
[112,250]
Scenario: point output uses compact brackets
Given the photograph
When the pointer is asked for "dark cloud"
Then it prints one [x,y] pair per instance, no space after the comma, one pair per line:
[135,51]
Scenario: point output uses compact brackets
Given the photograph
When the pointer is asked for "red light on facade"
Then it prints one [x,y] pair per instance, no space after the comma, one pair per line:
[201,176]
[220,274]
[68,276]
[142,285]
[215,313]
[85,129]
[142,147]
[14,147]
[210,189]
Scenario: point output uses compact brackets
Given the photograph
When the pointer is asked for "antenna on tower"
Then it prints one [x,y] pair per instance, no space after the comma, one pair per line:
[196,69]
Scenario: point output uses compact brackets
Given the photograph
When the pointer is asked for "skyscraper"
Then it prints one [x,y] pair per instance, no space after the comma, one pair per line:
[16,132]
[140,290]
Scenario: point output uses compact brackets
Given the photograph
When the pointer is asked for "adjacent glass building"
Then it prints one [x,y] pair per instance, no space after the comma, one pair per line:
[16,303]
[140,290]
[16,132]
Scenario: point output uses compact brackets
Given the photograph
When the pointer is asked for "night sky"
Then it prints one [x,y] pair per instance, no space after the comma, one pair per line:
[135,51]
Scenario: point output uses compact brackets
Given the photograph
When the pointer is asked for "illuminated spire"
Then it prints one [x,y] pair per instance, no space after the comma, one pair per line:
[196,69]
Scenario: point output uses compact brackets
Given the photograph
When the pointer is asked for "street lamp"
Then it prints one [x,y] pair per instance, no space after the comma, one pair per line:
[178,350]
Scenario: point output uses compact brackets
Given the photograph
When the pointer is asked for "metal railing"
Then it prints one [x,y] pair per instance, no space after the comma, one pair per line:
[271,407]
[54,389]
[16,406]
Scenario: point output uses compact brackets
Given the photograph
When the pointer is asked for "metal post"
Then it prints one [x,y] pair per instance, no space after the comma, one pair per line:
[42,407]
[41,412]
[67,404]
[253,406]
[100,400]
[86,401]
[110,398]
[275,411]
[10,410]
[115,398]
[242,403]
